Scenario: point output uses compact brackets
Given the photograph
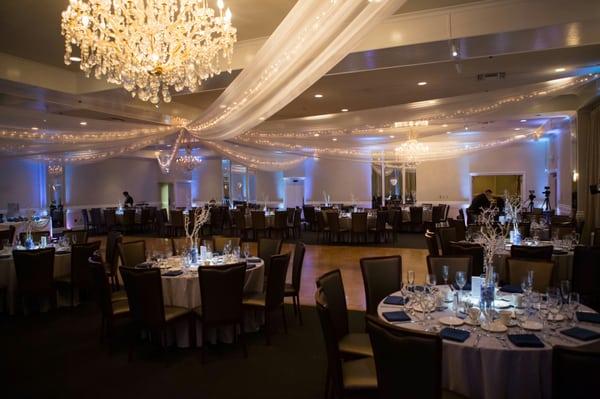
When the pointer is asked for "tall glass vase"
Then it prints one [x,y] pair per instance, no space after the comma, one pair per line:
[486,297]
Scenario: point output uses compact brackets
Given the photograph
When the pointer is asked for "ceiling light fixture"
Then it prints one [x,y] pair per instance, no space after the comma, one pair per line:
[344,109]
[34,128]
[422,83]
[149,46]
[517,128]
[316,134]
[334,139]
[444,125]
[75,59]
[188,161]
[318,95]
[392,137]
[83,123]
[559,70]
[523,120]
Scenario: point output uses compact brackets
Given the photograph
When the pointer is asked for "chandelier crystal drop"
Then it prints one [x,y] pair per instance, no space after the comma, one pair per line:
[149,46]
[188,161]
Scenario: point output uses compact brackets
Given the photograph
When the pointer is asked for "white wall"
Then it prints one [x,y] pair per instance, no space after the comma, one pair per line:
[269,184]
[102,183]
[22,181]
[207,181]
[450,181]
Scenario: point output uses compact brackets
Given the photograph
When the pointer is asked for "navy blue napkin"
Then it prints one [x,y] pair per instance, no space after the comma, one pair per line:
[454,334]
[394,300]
[467,286]
[525,340]
[589,317]
[173,273]
[581,334]
[144,265]
[396,316]
[512,289]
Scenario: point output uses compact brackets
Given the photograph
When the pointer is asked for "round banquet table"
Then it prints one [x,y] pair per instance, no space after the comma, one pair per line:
[8,276]
[184,291]
[492,369]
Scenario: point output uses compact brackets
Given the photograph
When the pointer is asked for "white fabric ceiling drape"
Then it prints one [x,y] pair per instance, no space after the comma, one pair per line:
[311,40]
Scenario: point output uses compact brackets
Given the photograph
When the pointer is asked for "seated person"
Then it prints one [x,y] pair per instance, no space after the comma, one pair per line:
[128,199]
[483,200]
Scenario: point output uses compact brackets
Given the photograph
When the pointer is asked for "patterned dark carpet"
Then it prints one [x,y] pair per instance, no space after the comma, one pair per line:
[58,355]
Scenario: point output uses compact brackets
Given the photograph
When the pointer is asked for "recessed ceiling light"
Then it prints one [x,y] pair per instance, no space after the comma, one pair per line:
[517,128]
[318,96]
[392,137]
[344,109]
[523,120]
[75,59]
[559,70]
[422,83]
[380,130]
[44,120]
[444,125]
[317,134]
[222,106]
[520,136]
[448,132]
[262,118]
[84,123]
[34,128]
[334,139]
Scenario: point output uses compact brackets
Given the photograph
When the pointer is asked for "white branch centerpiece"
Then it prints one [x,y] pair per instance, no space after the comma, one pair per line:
[201,216]
[512,210]
[491,235]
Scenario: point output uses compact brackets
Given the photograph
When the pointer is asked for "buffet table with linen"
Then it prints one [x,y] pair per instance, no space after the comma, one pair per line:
[8,274]
[184,291]
[488,365]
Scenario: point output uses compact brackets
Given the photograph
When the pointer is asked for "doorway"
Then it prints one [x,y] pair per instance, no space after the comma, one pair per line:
[165,195]
[498,183]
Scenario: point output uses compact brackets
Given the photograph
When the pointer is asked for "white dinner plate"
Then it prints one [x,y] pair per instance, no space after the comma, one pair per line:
[532,325]
[501,304]
[417,308]
[451,321]
[495,327]
[472,322]
[558,317]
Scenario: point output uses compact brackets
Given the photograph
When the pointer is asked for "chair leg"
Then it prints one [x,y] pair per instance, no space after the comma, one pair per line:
[284,319]
[299,310]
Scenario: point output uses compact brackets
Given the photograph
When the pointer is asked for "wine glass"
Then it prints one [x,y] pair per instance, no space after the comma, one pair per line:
[554,304]
[445,274]
[411,278]
[431,281]
[227,248]
[565,290]
[236,252]
[573,306]
[246,250]
[461,280]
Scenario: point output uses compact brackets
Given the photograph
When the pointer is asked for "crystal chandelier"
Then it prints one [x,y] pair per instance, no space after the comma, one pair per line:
[411,150]
[188,161]
[148,46]
[55,169]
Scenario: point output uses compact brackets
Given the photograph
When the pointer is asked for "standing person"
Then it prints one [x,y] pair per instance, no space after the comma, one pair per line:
[128,199]
[483,200]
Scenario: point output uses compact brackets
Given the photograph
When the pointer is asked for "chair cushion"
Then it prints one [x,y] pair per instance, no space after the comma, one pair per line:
[356,344]
[118,296]
[173,312]
[120,308]
[359,374]
[256,299]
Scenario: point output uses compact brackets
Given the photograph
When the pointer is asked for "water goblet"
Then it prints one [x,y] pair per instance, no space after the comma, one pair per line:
[431,281]
[554,304]
[445,274]
[246,250]
[565,290]
[461,280]
[227,248]
[236,252]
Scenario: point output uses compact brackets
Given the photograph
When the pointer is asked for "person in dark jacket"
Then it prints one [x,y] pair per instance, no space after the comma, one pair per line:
[128,199]
[483,200]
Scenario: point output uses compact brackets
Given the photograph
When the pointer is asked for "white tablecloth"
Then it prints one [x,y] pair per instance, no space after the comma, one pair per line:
[184,291]
[490,370]
[8,276]
[44,224]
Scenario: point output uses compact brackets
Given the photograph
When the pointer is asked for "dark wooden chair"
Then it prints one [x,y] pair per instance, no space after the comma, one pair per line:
[272,299]
[382,275]
[432,243]
[35,275]
[381,229]
[111,258]
[293,289]
[221,293]
[96,219]
[177,223]
[575,371]
[132,253]
[416,219]
[517,268]
[350,345]
[113,306]
[333,221]
[76,236]
[268,247]
[351,376]
[447,235]
[421,350]
[527,252]
[145,297]
[80,278]
[259,224]
[129,225]
[310,217]
[280,227]
[455,264]
[468,249]
[323,230]
[359,226]
[586,275]
[9,235]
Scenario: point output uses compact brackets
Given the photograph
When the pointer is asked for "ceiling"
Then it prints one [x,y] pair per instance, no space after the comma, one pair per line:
[364,80]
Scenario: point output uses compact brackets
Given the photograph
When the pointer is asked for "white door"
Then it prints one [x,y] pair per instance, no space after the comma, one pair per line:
[294,192]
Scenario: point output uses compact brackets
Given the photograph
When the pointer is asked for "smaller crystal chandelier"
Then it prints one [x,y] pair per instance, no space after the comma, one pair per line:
[411,150]
[55,169]
[188,161]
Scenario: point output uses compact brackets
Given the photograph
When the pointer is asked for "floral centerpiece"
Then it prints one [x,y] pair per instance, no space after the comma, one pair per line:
[201,216]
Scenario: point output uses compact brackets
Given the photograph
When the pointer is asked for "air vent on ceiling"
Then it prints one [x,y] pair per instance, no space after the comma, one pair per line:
[491,76]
